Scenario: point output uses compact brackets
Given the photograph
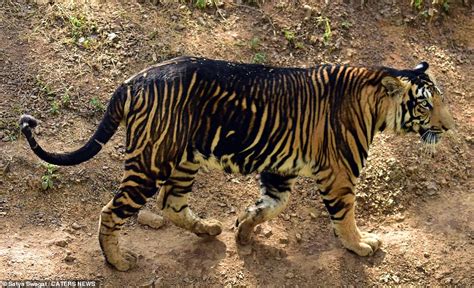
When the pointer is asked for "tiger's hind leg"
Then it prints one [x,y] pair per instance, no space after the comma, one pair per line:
[174,198]
[275,191]
[134,191]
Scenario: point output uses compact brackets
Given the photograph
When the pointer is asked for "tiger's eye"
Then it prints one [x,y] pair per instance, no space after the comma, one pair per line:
[424,104]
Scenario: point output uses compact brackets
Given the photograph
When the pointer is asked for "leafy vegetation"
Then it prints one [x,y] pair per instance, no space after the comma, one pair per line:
[327,28]
[97,105]
[259,58]
[47,180]
[54,107]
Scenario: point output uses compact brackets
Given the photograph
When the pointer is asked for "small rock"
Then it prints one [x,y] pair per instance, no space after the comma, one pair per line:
[395,278]
[312,215]
[313,39]
[60,243]
[298,237]
[426,255]
[76,226]
[69,258]
[267,232]
[112,36]
[290,275]
[150,219]
[399,217]
[201,21]
[284,240]
[286,217]
[431,187]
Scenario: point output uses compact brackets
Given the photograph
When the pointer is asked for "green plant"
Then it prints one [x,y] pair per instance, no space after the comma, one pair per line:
[201,4]
[97,105]
[48,176]
[327,28]
[299,45]
[417,4]
[54,107]
[346,24]
[327,33]
[254,43]
[81,30]
[66,98]
[445,6]
[259,58]
[44,87]
[289,36]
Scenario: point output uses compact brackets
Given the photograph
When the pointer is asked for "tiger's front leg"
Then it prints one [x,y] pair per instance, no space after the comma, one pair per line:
[340,204]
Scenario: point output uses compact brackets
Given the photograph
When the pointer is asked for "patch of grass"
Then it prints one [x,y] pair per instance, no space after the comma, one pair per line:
[289,36]
[201,4]
[97,105]
[259,58]
[66,98]
[44,87]
[445,6]
[82,31]
[327,28]
[346,24]
[254,43]
[11,129]
[54,109]
[417,4]
[47,180]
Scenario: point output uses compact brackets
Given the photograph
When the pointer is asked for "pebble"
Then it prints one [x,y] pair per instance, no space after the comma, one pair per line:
[69,258]
[267,232]
[290,275]
[150,219]
[312,215]
[111,36]
[399,217]
[298,237]
[76,226]
[284,240]
[60,243]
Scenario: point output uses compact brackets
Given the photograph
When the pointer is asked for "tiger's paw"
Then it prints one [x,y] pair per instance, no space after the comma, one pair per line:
[207,228]
[125,261]
[244,231]
[367,245]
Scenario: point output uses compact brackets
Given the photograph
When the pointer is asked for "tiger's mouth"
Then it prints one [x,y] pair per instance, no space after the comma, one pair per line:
[431,135]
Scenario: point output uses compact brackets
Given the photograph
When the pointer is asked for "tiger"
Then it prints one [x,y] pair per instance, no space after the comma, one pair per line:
[279,122]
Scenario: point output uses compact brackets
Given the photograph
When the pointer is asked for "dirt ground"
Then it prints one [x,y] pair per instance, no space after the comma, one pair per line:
[61,61]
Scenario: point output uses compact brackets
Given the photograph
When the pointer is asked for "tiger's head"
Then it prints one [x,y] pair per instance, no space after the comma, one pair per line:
[420,106]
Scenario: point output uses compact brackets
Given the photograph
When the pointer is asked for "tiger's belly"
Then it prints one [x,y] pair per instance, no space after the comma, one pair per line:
[250,165]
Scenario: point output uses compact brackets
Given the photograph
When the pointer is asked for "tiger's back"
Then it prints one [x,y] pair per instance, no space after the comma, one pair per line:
[239,117]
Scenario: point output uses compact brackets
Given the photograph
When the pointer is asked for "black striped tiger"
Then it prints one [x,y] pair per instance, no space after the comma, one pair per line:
[245,118]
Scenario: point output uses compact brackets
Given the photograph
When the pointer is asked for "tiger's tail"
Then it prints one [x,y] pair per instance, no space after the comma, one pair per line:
[107,127]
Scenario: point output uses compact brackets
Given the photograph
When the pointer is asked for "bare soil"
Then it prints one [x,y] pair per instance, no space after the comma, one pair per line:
[61,61]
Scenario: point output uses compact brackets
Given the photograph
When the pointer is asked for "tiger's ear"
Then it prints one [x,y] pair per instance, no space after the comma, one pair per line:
[394,87]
